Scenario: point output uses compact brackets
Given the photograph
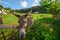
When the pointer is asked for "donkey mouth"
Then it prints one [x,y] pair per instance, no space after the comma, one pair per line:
[22,33]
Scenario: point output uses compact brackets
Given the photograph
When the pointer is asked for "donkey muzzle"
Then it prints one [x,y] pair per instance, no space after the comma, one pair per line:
[22,33]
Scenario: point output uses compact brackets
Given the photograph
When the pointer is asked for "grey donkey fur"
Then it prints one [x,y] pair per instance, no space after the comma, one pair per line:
[24,21]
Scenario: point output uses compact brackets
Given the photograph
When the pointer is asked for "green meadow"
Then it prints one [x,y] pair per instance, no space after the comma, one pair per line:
[11,19]
[42,28]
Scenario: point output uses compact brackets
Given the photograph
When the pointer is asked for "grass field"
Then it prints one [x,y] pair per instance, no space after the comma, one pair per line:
[11,19]
[41,30]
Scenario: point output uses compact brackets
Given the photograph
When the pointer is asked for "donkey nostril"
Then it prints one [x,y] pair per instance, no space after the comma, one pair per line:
[21,34]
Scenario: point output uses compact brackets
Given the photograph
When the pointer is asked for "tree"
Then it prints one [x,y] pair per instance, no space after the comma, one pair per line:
[1,7]
[53,7]
[7,9]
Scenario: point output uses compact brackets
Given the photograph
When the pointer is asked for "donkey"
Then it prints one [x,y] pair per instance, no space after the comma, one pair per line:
[24,21]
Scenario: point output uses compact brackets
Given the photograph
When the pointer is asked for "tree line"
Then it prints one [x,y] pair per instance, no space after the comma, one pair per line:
[37,9]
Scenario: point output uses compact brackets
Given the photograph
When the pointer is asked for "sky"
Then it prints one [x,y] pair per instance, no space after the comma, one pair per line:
[19,4]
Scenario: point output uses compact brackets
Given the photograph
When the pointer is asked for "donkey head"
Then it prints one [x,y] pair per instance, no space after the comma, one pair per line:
[24,21]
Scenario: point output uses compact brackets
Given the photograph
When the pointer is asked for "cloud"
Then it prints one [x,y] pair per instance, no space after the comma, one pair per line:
[24,4]
[34,4]
[36,1]
[3,2]
[6,2]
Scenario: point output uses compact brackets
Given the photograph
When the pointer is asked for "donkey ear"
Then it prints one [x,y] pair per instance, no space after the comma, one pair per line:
[29,13]
[15,14]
